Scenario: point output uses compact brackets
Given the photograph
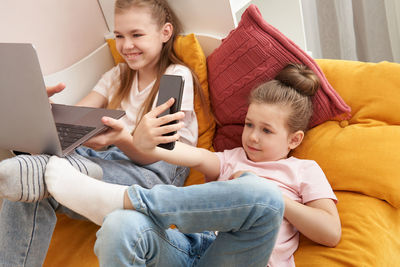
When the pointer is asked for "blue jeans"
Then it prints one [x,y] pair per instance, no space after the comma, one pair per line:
[247,213]
[26,228]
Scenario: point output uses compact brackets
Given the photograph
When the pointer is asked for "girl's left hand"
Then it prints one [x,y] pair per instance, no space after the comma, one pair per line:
[112,136]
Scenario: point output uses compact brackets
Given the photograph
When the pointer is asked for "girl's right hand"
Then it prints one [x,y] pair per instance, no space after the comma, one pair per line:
[52,90]
[151,129]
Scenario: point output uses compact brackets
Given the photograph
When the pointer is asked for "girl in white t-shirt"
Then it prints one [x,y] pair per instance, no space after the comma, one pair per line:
[242,198]
[145,31]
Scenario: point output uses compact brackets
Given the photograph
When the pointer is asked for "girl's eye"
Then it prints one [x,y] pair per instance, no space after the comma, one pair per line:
[118,36]
[136,35]
[266,130]
[248,124]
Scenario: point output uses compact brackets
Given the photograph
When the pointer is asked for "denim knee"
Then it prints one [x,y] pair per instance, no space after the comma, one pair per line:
[262,193]
[260,188]
[119,240]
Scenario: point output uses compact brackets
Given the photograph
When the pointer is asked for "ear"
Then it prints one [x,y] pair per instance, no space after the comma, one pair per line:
[295,139]
[166,32]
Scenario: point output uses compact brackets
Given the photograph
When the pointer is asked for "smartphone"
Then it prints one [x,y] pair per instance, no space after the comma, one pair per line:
[170,86]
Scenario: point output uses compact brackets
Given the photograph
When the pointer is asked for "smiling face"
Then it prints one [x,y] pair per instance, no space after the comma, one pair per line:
[139,39]
[266,136]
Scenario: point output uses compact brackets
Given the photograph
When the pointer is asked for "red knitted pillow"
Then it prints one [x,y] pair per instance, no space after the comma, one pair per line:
[251,54]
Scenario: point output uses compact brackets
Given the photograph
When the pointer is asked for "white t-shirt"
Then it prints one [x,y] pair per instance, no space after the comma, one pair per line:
[299,179]
[110,82]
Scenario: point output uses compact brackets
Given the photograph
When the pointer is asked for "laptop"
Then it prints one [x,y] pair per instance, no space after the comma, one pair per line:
[28,122]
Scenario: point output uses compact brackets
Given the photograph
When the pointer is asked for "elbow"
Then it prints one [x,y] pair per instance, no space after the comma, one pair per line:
[334,238]
[334,235]
[333,242]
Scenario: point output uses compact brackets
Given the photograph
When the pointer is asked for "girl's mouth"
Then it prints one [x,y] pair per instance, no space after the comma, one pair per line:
[132,56]
[252,148]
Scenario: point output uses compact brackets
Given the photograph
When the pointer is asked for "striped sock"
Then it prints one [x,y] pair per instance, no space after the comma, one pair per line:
[22,177]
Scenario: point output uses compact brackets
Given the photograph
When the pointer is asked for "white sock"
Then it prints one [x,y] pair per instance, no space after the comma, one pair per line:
[89,197]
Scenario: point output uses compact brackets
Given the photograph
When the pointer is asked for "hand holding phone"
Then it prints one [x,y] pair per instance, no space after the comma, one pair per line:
[170,86]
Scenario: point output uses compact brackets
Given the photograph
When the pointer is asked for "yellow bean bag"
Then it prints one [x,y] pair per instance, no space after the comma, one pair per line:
[361,159]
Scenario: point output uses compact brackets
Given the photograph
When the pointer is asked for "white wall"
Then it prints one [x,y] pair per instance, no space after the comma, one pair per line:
[218,17]
[285,15]
[63,31]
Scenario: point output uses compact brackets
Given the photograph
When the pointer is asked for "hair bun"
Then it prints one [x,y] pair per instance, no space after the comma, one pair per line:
[300,78]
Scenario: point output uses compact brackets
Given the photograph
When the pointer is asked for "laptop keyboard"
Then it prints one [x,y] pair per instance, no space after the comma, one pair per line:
[69,133]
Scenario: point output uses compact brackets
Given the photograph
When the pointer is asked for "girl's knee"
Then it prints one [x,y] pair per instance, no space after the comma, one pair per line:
[125,236]
[261,192]
[119,228]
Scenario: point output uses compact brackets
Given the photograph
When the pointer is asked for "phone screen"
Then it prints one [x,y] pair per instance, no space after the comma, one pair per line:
[170,86]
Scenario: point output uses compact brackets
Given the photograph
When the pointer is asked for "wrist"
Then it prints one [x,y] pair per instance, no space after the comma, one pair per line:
[123,140]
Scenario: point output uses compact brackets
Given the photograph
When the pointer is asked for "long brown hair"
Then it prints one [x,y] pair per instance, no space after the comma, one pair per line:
[161,13]
[292,87]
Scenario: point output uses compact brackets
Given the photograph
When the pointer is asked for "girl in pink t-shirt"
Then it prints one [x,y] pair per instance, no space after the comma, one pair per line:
[241,199]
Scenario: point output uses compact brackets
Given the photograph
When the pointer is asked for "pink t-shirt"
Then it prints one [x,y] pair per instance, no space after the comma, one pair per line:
[299,179]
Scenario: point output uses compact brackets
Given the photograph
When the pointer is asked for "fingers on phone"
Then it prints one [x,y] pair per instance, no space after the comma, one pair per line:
[169,128]
[169,138]
[170,118]
[163,107]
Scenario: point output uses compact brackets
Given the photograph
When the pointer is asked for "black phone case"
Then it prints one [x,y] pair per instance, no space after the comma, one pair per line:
[170,86]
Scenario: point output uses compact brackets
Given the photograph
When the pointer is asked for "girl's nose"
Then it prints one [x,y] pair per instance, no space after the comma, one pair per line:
[128,44]
[254,136]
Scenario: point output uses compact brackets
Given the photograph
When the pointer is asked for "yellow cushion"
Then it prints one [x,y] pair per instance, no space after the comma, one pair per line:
[188,49]
[113,49]
[361,154]
[370,231]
